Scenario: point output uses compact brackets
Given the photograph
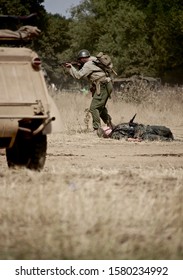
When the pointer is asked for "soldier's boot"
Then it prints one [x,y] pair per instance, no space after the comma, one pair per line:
[110,124]
[100,133]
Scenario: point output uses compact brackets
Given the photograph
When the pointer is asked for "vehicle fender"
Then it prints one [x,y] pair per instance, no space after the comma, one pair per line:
[9,128]
[56,125]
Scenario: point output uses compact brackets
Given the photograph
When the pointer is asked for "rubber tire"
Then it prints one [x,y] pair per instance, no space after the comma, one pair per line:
[38,152]
[29,153]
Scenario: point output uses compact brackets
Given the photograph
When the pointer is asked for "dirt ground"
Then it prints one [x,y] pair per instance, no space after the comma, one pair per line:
[87,150]
[118,186]
[95,199]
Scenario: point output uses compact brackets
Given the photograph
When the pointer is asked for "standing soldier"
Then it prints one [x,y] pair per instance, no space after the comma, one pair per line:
[101,88]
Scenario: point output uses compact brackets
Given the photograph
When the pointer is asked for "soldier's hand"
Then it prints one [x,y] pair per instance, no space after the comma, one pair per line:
[68,65]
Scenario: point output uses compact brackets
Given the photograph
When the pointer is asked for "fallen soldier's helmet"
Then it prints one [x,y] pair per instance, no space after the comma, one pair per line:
[140,131]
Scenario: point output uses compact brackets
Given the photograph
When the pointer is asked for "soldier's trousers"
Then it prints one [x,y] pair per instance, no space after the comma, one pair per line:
[98,105]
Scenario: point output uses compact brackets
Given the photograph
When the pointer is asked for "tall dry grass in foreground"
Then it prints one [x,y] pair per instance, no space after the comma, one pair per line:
[163,107]
[91,203]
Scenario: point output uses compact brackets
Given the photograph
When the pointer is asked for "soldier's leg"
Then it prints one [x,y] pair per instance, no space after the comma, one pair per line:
[105,116]
[104,112]
[94,110]
[98,109]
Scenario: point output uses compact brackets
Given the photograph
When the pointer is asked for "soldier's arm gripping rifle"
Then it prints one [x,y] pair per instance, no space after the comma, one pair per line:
[77,64]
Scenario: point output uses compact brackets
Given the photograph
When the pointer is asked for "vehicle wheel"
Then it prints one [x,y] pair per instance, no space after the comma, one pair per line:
[29,153]
[38,152]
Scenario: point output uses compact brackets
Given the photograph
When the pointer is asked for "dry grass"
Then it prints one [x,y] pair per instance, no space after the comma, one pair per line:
[91,203]
[161,107]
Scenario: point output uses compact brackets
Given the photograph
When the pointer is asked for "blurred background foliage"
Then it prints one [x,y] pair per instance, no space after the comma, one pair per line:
[143,37]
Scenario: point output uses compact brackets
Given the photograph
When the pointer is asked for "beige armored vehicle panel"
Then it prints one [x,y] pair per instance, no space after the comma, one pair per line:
[26,109]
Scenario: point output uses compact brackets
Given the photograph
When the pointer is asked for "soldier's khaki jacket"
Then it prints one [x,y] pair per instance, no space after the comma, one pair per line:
[91,71]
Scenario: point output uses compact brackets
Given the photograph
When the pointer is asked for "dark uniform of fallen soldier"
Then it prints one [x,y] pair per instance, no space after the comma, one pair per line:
[138,132]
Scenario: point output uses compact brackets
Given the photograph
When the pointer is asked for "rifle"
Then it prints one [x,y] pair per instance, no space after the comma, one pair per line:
[131,123]
[74,63]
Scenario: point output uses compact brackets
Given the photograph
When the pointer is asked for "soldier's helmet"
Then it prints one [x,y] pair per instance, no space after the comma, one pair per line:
[83,53]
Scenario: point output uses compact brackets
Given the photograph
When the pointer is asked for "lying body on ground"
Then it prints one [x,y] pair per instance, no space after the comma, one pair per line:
[139,132]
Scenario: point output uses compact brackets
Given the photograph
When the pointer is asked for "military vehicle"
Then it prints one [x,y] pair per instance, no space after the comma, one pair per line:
[27,111]
[137,81]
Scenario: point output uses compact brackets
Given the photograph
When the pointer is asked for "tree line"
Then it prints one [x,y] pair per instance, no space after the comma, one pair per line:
[141,36]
